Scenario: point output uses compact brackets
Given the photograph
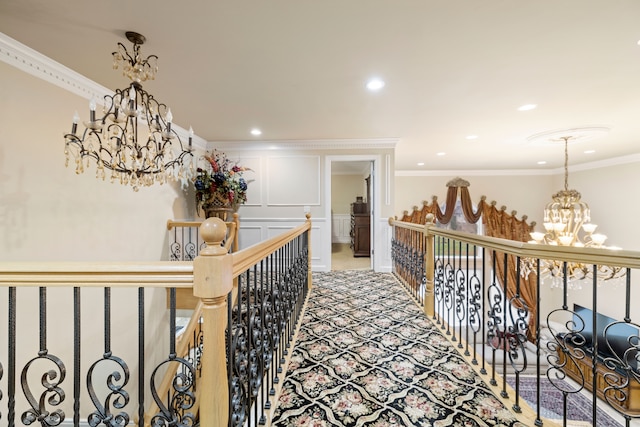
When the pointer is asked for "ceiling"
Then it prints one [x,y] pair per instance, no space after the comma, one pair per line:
[297,70]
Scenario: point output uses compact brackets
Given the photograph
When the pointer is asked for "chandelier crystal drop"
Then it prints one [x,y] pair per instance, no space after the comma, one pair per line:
[567,222]
[133,139]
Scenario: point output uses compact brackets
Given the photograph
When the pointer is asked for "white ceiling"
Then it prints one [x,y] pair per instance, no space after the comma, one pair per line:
[297,70]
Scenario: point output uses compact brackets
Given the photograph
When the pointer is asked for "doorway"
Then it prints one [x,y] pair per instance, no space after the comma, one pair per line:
[351,184]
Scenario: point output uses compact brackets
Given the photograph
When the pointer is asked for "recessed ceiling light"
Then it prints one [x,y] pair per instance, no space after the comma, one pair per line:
[589,151]
[375,84]
[421,164]
[527,107]
[542,162]
[256,132]
[441,153]
[472,136]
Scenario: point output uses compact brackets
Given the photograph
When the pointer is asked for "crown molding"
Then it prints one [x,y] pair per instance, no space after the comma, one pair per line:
[30,61]
[22,57]
[309,144]
[616,161]
[479,172]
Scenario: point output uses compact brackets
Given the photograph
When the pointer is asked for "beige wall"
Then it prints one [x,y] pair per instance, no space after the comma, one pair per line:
[608,190]
[526,194]
[48,213]
[344,190]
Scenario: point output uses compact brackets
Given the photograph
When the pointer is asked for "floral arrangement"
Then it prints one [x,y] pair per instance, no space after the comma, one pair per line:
[221,185]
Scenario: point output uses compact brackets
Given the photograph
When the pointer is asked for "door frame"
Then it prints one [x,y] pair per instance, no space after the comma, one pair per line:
[375,195]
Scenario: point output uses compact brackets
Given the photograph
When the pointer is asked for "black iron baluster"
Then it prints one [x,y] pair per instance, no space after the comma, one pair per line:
[515,341]
[503,340]
[538,421]
[475,307]
[76,355]
[494,321]
[272,333]
[176,411]
[141,365]
[261,333]
[483,316]
[190,248]
[53,394]
[460,292]
[116,381]
[438,286]
[282,307]
[11,362]
[449,286]
[174,247]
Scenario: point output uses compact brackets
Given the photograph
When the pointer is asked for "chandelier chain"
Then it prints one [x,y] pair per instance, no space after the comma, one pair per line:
[566,163]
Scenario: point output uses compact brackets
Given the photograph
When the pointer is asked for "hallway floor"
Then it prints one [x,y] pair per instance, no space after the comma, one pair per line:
[342,258]
[366,355]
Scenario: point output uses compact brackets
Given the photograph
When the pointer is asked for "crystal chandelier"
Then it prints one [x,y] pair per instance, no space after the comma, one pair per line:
[566,216]
[567,222]
[134,138]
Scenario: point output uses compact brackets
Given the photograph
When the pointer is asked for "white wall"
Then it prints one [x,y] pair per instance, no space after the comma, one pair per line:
[265,212]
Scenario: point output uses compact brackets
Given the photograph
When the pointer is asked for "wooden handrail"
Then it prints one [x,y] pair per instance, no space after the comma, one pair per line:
[618,258]
[251,255]
[171,224]
[156,274]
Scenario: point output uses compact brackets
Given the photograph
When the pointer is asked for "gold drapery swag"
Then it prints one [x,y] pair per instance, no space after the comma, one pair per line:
[496,223]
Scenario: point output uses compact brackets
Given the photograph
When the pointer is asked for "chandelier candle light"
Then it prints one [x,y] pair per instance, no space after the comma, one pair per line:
[113,141]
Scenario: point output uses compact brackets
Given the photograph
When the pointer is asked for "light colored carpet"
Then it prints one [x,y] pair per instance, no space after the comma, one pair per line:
[342,258]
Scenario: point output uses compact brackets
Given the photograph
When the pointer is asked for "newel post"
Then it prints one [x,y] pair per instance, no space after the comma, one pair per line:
[212,282]
[429,296]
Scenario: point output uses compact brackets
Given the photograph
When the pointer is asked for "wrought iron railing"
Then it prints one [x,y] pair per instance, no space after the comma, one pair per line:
[476,288]
[104,348]
[185,241]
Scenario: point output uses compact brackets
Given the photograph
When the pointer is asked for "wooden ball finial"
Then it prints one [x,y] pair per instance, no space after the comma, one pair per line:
[213,232]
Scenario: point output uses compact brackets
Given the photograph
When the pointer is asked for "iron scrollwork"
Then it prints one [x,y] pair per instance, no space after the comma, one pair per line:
[52,395]
[117,396]
[175,413]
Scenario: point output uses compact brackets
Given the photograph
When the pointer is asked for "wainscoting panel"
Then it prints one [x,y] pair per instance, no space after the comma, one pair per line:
[340,228]
[260,229]
[383,245]
[249,235]
[293,181]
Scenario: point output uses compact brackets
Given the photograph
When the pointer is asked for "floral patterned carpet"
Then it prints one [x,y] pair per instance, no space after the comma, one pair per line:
[366,355]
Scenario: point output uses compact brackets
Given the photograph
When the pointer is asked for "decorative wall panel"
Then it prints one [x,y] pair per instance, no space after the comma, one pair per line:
[293,180]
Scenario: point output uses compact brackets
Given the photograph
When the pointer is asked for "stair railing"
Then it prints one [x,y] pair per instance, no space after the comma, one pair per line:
[461,280]
[128,353]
